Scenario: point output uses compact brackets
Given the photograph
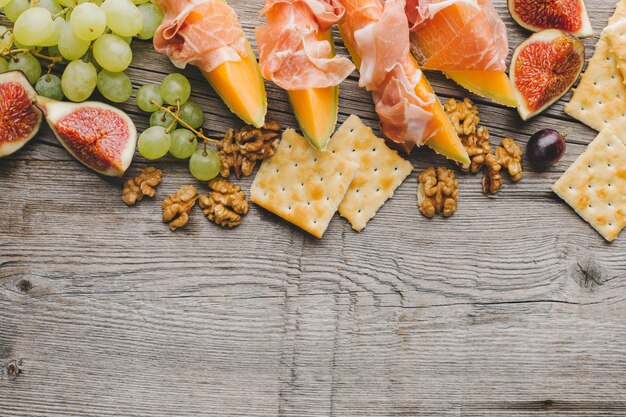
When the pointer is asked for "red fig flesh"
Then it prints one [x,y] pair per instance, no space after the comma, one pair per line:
[566,15]
[543,68]
[20,120]
[102,137]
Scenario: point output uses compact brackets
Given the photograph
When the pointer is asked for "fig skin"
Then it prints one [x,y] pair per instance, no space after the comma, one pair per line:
[575,20]
[536,70]
[92,133]
[16,105]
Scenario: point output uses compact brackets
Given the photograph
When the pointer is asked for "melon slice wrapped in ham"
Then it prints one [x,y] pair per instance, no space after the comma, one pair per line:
[458,35]
[381,37]
[204,33]
[292,53]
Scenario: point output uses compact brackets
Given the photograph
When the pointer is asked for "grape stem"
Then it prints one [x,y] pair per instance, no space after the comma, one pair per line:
[175,115]
[11,52]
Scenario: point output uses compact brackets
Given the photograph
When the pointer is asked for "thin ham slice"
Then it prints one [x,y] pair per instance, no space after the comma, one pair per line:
[292,53]
[381,37]
[458,35]
[204,33]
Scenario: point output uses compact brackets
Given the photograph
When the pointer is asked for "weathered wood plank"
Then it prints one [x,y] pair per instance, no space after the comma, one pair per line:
[513,307]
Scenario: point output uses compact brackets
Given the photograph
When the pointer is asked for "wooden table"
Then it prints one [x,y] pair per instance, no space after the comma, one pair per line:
[513,307]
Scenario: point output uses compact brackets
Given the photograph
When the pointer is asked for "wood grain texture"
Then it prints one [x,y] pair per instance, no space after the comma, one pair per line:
[513,307]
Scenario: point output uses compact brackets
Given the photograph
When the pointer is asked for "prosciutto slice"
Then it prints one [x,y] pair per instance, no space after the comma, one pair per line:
[204,33]
[458,35]
[381,37]
[292,53]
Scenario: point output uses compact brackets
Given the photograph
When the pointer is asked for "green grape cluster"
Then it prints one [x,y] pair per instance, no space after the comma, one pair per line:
[93,37]
[174,129]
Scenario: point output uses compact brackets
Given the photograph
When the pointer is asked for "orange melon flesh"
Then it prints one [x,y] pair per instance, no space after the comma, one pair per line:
[241,87]
[445,142]
[316,108]
[494,85]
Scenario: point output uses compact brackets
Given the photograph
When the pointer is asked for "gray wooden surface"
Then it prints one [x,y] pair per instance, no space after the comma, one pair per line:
[513,307]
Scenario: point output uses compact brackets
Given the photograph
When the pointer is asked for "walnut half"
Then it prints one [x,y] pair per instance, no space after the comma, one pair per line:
[143,184]
[437,192]
[509,155]
[240,150]
[464,118]
[225,204]
[177,206]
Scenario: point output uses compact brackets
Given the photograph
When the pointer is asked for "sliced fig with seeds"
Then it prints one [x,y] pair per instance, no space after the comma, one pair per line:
[102,137]
[543,68]
[20,120]
[567,15]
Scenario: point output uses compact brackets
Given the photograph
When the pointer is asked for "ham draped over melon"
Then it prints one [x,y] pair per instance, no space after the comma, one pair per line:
[204,33]
[292,52]
[458,35]
[381,36]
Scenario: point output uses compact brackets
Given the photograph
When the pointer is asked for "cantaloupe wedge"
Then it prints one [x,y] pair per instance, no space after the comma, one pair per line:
[241,87]
[494,85]
[445,142]
[316,108]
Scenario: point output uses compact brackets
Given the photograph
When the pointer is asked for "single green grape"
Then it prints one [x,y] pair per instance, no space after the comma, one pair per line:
[28,64]
[154,143]
[114,86]
[5,2]
[79,80]
[146,94]
[205,164]
[163,119]
[175,89]
[123,17]
[88,21]
[192,114]
[51,5]
[71,46]
[112,53]
[49,85]
[15,8]
[59,25]
[5,38]
[35,17]
[152,18]
[4,65]
[184,144]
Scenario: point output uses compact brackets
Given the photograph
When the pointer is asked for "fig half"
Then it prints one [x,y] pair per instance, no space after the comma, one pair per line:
[543,68]
[20,120]
[567,15]
[102,137]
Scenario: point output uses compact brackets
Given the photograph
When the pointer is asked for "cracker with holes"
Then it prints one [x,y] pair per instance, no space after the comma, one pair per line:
[303,185]
[595,185]
[381,171]
[615,35]
[599,101]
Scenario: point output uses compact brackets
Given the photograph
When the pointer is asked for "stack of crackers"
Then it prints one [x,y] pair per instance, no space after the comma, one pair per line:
[595,185]
[355,176]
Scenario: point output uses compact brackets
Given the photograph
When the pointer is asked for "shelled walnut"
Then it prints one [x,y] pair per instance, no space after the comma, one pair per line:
[475,139]
[437,192]
[509,155]
[492,181]
[142,185]
[240,150]
[225,204]
[177,206]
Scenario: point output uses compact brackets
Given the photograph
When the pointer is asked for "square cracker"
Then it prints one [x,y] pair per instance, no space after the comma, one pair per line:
[381,171]
[595,185]
[302,185]
[615,34]
[599,101]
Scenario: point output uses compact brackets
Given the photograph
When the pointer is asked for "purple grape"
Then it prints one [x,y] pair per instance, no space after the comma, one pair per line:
[545,147]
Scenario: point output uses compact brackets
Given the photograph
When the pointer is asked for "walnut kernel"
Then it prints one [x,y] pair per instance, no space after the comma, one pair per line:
[509,155]
[438,192]
[225,204]
[492,181]
[240,150]
[142,185]
[177,206]
[464,118]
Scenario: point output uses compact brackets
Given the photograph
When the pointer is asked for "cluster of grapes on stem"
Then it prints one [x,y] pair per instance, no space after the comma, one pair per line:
[176,128]
[92,37]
